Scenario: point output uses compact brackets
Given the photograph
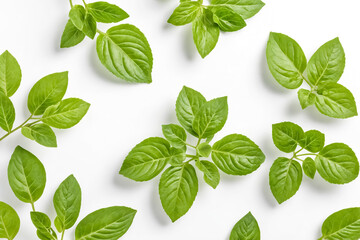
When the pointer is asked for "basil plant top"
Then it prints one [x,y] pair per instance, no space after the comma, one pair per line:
[234,154]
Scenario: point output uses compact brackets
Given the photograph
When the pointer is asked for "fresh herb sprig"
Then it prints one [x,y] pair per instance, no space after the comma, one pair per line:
[235,154]
[27,179]
[246,228]
[208,21]
[336,162]
[287,63]
[45,103]
[123,49]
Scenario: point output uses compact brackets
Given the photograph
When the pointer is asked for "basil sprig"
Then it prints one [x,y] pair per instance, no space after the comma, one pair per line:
[336,162]
[122,49]
[234,154]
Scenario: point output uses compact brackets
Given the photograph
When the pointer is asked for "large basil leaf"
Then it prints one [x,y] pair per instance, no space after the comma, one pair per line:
[9,221]
[246,228]
[106,12]
[185,13]
[7,113]
[287,136]
[10,74]
[245,8]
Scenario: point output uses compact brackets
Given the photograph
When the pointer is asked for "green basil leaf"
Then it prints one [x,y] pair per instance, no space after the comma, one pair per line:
[89,27]
[309,167]
[178,189]
[211,172]
[313,141]
[185,13]
[327,64]
[246,228]
[77,16]
[67,202]
[204,149]
[205,33]
[40,220]
[337,163]
[59,225]
[188,104]
[306,98]
[9,221]
[147,159]
[335,100]
[10,74]
[344,224]
[26,131]
[285,178]
[211,117]
[236,154]
[47,91]
[44,234]
[227,19]
[287,136]
[175,134]
[26,175]
[71,36]
[286,60]
[7,113]
[178,156]
[106,12]
[245,8]
[43,134]
[107,223]
[125,51]
[66,113]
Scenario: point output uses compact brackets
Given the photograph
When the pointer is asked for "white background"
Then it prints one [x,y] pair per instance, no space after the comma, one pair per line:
[122,114]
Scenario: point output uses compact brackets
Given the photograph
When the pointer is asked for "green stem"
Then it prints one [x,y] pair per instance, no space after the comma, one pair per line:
[62,235]
[298,151]
[32,206]
[100,32]
[71,3]
[190,145]
[191,156]
[84,3]
[307,81]
[17,128]
[299,159]
[307,154]
[198,142]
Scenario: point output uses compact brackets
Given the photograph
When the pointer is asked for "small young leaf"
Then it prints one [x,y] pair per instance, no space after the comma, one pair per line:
[285,178]
[125,51]
[77,16]
[26,131]
[204,149]
[107,223]
[47,91]
[286,60]
[7,113]
[106,12]
[9,221]
[26,175]
[89,27]
[10,74]
[236,154]
[309,167]
[188,104]
[66,113]
[245,8]
[205,33]
[178,189]
[246,228]
[334,100]
[40,220]
[178,156]
[147,159]
[306,98]
[287,136]
[185,13]
[175,134]
[43,134]
[227,19]
[211,172]
[337,163]
[71,36]
[313,141]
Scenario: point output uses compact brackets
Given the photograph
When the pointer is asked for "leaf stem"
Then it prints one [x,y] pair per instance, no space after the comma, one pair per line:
[306,154]
[71,3]
[191,156]
[308,82]
[100,32]
[84,3]
[18,127]
[62,235]
[190,145]
[33,206]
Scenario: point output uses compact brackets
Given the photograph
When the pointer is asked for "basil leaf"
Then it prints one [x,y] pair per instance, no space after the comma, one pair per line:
[89,27]
[245,8]
[286,60]
[185,13]
[246,228]
[10,74]
[227,19]
[7,113]
[106,12]
[146,160]
[211,117]
[327,64]
[313,141]
[46,234]
[40,220]
[26,175]
[337,163]
[47,91]
[175,134]
[236,154]
[26,131]
[287,136]
[188,104]
[285,178]
[204,149]
[211,172]
[306,98]
[66,113]
[344,224]
[125,51]
[9,221]
[67,202]
[205,33]
[107,223]
[334,100]
[178,188]
[71,36]
[309,167]
[77,16]
[43,134]
[178,156]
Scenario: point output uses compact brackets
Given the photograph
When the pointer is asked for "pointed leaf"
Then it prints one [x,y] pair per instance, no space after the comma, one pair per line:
[10,74]
[211,172]
[9,221]
[7,113]
[246,228]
